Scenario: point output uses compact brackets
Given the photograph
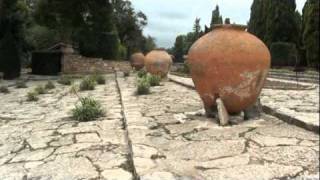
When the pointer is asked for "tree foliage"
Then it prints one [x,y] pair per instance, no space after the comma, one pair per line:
[11,37]
[216,17]
[310,32]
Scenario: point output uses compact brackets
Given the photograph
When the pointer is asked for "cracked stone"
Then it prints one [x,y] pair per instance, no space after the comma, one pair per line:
[143,165]
[33,155]
[225,162]
[87,138]
[272,141]
[116,174]
[63,168]
[209,150]
[73,148]
[159,176]
[264,172]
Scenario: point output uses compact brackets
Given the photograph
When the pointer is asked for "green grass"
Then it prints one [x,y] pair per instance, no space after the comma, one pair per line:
[142,73]
[154,80]
[98,78]
[21,85]
[65,80]
[88,110]
[32,96]
[87,84]
[143,86]
[40,90]
[4,89]
[49,85]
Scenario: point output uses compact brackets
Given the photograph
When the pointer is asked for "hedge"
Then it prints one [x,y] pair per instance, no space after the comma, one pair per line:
[284,54]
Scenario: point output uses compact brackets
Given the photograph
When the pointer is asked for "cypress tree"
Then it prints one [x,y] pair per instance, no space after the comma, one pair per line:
[310,32]
[281,24]
[216,17]
[257,23]
[11,39]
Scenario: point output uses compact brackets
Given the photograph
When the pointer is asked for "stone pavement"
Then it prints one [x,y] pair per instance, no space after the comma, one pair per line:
[299,107]
[38,140]
[160,136]
[172,139]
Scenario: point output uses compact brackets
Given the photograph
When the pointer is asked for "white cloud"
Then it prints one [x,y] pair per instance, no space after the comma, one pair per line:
[168,18]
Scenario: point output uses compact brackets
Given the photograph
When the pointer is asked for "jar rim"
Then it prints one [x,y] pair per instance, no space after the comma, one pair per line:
[231,26]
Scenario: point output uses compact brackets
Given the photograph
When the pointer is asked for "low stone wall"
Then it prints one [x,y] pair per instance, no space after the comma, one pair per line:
[76,64]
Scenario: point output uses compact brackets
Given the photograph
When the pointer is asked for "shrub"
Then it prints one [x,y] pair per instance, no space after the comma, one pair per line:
[154,80]
[88,110]
[99,78]
[87,84]
[64,80]
[142,73]
[40,90]
[143,86]
[126,73]
[4,89]
[32,96]
[50,85]
[283,54]
[21,84]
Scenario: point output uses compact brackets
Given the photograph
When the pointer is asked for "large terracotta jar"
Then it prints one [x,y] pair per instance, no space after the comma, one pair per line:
[158,62]
[137,61]
[231,64]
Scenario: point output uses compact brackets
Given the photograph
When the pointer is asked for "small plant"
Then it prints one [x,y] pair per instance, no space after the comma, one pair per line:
[40,90]
[154,80]
[21,85]
[64,80]
[99,78]
[4,89]
[126,73]
[32,96]
[49,85]
[87,84]
[88,110]
[143,86]
[142,73]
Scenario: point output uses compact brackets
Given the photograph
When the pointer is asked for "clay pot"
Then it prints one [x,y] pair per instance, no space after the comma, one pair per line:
[158,62]
[229,63]
[137,61]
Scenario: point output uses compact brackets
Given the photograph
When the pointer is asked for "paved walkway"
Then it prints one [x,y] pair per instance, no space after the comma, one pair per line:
[161,136]
[300,107]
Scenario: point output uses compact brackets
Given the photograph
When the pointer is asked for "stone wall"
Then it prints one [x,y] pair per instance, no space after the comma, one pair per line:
[76,64]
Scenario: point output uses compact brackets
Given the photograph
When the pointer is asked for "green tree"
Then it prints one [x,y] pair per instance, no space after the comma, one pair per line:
[216,17]
[179,48]
[227,21]
[257,23]
[281,24]
[11,38]
[149,44]
[310,32]
[129,25]
[197,29]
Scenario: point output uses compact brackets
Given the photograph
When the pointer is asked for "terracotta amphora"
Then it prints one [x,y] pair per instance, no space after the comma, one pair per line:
[137,61]
[158,62]
[231,64]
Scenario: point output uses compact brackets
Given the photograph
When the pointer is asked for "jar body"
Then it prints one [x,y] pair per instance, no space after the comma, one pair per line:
[158,62]
[231,64]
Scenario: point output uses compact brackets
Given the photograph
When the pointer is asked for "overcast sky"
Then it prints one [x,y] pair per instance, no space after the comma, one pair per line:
[169,18]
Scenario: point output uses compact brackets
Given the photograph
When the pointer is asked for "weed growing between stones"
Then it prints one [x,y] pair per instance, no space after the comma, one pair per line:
[87,84]
[4,89]
[98,78]
[21,85]
[40,90]
[32,96]
[143,86]
[49,85]
[142,73]
[64,80]
[88,110]
[154,80]
[126,73]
